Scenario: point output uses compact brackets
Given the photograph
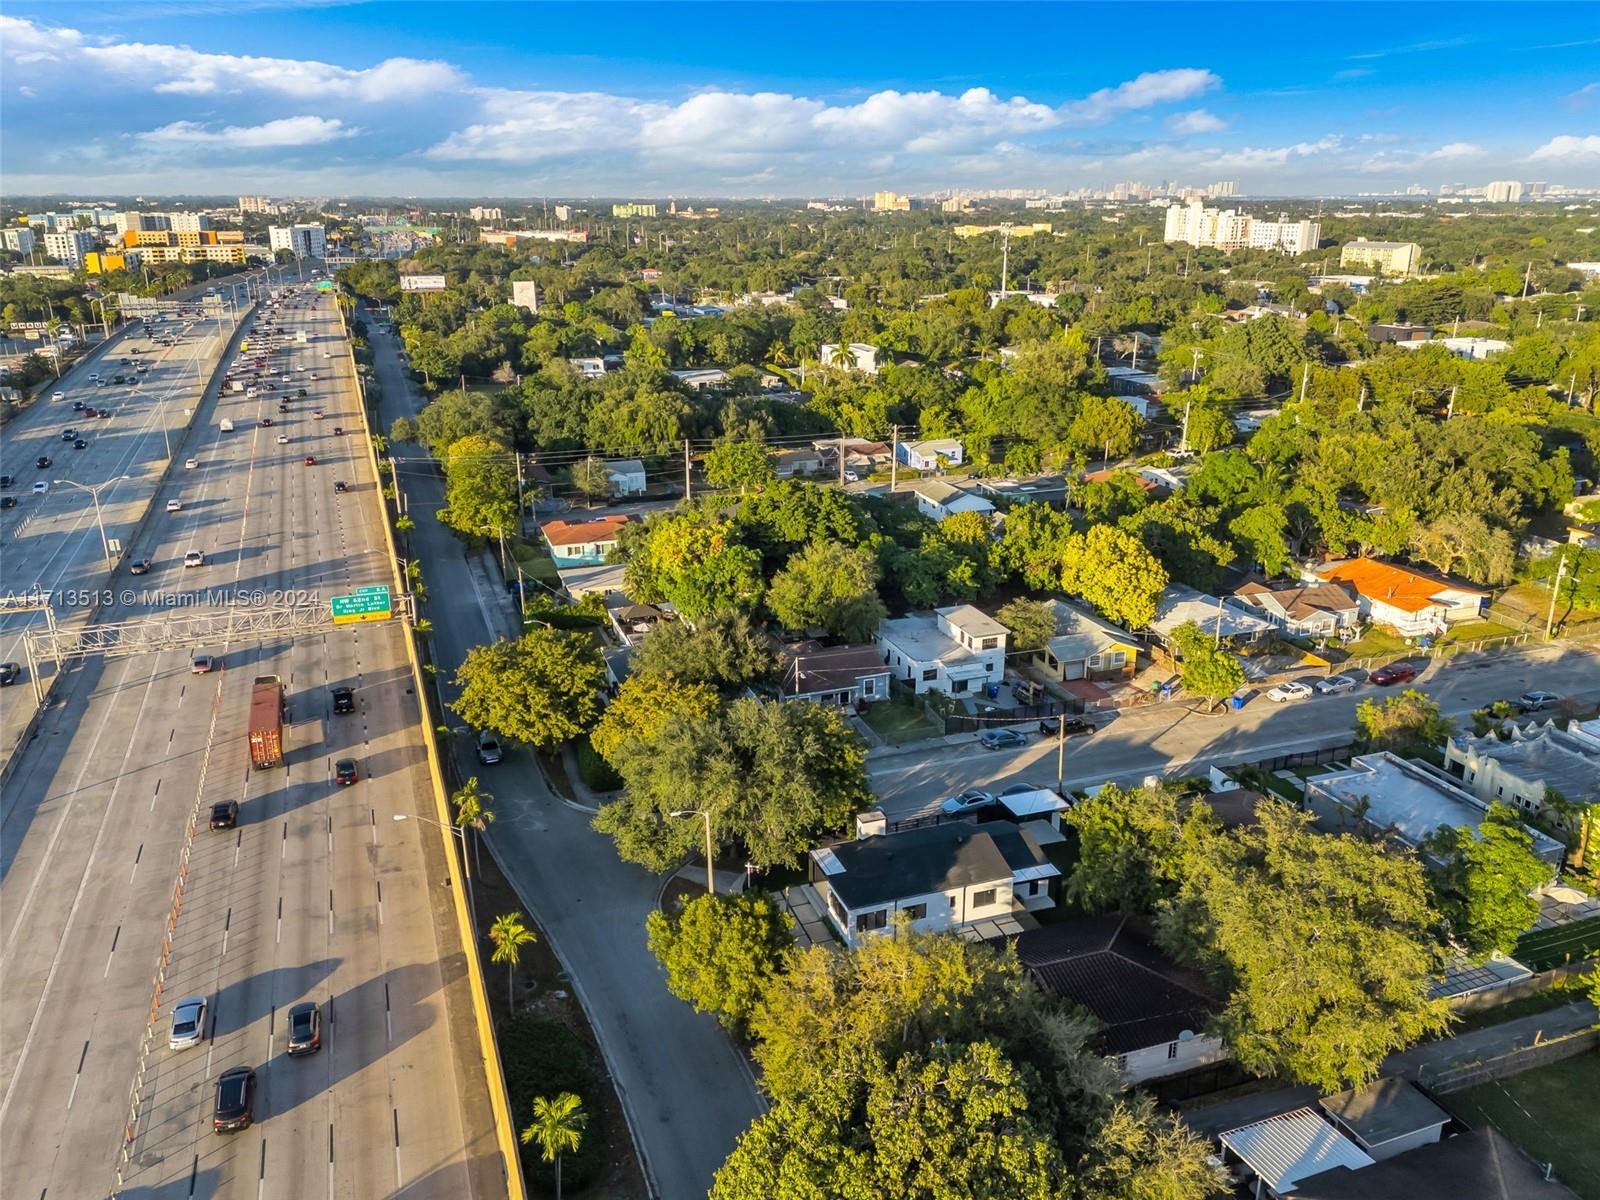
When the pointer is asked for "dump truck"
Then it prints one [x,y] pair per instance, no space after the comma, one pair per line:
[266,722]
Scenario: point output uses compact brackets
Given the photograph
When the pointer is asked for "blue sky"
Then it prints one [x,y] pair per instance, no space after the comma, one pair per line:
[700,99]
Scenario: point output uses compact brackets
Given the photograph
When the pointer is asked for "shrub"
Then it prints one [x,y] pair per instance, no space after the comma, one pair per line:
[545,1058]
[596,771]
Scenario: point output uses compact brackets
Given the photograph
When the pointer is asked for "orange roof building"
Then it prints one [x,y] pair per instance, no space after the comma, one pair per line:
[1412,603]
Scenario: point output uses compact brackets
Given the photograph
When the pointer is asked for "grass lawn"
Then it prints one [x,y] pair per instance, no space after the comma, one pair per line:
[1548,1113]
[1476,631]
[1565,943]
[1376,643]
[898,723]
[1283,788]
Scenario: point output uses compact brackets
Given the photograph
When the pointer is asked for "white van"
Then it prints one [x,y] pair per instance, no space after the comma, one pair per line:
[227,425]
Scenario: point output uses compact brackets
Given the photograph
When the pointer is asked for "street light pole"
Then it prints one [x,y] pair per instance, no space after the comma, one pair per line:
[711,879]
[94,495]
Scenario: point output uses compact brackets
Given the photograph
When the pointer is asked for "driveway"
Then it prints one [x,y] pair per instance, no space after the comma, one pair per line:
[685,1086]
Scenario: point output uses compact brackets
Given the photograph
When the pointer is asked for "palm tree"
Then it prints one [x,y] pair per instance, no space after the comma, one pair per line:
[473,812]
[509,936]
[842,356]
[557,1127]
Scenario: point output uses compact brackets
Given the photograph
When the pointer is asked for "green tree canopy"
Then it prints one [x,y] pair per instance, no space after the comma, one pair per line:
[693,560]
[1113,571]
[643,704]
[726,650]
[1130,848]
[829,586]
[542,689]
[1032,623]
[775,777]
[1403,723]
[1209,671]
[720,952]
[1324,942]
[1485,883]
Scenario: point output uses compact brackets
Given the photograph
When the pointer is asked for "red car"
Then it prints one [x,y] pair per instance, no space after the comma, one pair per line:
[311,460]
[1394,673]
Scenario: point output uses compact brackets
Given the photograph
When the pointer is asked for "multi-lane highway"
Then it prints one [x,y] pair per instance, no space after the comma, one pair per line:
[50,541]
[319,894]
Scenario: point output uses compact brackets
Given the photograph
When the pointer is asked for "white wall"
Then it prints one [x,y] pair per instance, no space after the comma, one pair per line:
[1171,1058]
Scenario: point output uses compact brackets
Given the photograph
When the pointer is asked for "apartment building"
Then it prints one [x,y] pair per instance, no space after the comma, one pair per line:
[631,210]
[484,214]
[303,241]
[19,240]
[890,202]
[1225,229]
[69,246]
[1389,258]
[1503,191]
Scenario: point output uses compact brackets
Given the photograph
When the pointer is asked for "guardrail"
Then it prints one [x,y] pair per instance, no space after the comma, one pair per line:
[499,1101]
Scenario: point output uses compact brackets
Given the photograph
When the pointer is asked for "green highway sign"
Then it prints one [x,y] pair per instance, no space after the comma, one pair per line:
[372,588]
[368,604]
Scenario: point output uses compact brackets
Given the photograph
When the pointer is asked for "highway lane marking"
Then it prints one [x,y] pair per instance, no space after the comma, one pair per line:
[399,1178]
[330,1161]
[330,913]
[388,1018]
[261,1179]
[227,924]
[280,921]
[91,759]
[194,1169]
[283,850]
[137,855]
[238,842]
[77,1076]
[380,901]
[114,939]
[373,813]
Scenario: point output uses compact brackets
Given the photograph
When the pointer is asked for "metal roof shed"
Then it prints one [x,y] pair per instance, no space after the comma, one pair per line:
[1285,1149]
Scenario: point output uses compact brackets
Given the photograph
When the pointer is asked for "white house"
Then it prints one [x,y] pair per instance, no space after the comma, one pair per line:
[939,499]
[843,676]
[1464,347]
[1306,609]
[863,358]
[941,877]
[589,368]
[1181,604]
[626,476]
[925,455]
[1152,1013]
[705,377]
[1412,604]
[956,650]
[1534,757]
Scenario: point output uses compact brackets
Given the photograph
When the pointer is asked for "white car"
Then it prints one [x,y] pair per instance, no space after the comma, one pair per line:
[41,487]
[174,505]
[58,397]
[194,558]
[191,464]
[283,439]
[1293,690]
[188,1023]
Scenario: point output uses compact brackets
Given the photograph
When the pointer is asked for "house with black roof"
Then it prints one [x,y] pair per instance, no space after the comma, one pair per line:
[1152,1013]
[981,882]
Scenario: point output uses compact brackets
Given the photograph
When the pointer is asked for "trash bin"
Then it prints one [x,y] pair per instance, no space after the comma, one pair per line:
[992,691]
[1238,703]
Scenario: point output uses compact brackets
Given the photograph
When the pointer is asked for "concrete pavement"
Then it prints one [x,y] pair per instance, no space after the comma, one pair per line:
[686,1088]
[1171,739]
[319,894]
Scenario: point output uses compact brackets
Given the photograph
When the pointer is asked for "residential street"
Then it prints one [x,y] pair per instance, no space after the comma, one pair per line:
[912,779]
[686,1088]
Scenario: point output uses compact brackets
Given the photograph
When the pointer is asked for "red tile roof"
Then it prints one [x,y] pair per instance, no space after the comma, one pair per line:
[1395,586]
[582,533]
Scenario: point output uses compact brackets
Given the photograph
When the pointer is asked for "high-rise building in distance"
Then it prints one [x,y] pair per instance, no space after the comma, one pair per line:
[1503,191]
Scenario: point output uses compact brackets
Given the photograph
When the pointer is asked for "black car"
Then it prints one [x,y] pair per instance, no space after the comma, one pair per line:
[6,481]
[1068,726]
[340,486]
[236,1100]
[305,1029]
[344,700]
[344,772]
[8,501]
[9,673]
[43,462]
[77,406]
[80,444]
[225,815]
[68,434]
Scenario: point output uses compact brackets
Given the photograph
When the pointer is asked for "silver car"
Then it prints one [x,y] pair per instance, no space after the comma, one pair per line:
[1334,684]
[188,1023]
[968,801]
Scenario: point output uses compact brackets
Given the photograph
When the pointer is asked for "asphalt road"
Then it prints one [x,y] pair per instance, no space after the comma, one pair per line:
[1164,739]
[319,894]
[687,1089]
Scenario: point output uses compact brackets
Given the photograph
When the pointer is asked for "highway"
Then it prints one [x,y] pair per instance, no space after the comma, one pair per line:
[319,894]
[50,542]
[1165,739]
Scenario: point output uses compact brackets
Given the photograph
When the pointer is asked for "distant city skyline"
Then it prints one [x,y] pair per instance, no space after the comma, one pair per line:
[786,100]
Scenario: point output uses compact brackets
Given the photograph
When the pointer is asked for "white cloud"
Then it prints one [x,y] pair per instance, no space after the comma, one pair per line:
[1146,91]
[289,131]
[179,70]
[1568,150]
[1454,153]
[1196,121]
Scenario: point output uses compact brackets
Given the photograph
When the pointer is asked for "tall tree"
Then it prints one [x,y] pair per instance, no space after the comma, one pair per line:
[774,777]
[558,1124]
[1405,723]
[472,809]
[1032,623]
[1487,879]
[541,689]
[510,934]
[1113,571]
[692,560]
[829,586]
[1324,942]
[745,465]
[720,952]
[726,650]
[1209,671]
[1105,425]
[643,704]
[1130,848]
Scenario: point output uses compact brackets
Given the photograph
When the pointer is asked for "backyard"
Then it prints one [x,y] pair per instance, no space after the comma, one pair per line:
[1548,1113]
[1544,948]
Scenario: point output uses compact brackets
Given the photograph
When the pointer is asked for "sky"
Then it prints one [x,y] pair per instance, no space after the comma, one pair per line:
[794,100]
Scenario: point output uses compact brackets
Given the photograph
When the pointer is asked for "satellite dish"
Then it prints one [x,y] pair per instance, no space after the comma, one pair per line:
[1186,1036]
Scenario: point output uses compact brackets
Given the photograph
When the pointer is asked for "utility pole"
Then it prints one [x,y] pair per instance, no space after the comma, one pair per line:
[894,457]
[1361,401]
[1183,437]
[1218,641]
[1527,278]
[518,458]
[1571,382]
[841,459]
[1136,350]
[1061,750]
[1451,410]
[1005,256]
[1194,365]
[1305,378]
[1555,593]
[688,480]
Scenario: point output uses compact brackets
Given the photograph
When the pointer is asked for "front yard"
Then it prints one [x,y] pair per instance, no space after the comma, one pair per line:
[899,721]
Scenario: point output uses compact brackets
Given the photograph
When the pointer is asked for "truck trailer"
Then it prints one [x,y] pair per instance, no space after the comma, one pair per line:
[266,722]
